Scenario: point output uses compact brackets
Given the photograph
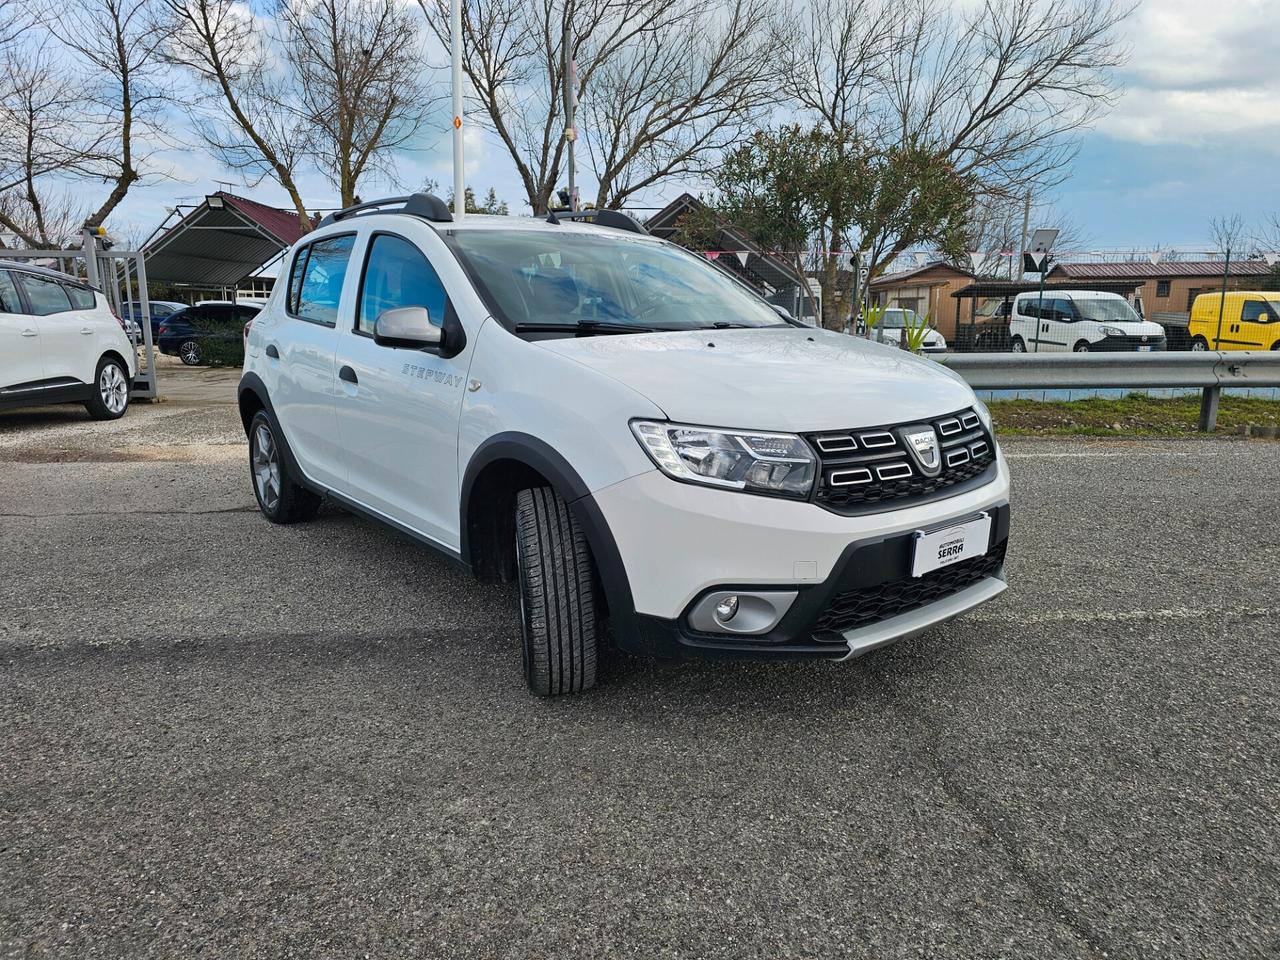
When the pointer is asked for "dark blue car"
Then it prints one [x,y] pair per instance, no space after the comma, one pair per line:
[188,334]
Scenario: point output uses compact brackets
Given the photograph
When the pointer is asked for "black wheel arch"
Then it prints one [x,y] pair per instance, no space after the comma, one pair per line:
[500,467]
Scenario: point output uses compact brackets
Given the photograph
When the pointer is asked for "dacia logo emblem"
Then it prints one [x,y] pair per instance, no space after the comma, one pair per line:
[923,443]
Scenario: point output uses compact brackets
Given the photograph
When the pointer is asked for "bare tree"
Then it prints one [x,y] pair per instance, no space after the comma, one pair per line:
[78,97]
[359,77]
[1228,234]
[117,44]
[515,62]
[994,233]
[677,95]
[246,114]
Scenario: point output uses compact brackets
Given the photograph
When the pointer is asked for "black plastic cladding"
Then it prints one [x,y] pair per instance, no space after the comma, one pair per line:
[861,608]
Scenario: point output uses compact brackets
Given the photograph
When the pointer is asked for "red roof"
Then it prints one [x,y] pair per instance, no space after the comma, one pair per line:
[282,224]
[1145,270]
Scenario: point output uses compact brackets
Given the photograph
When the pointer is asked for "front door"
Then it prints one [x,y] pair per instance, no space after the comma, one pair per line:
[398,408]
[1256,327]
[69,353]
[20,360]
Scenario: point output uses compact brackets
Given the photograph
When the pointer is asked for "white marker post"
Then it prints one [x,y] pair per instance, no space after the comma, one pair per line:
[459,168]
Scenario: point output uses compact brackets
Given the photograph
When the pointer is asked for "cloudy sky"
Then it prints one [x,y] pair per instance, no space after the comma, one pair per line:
[1195,134]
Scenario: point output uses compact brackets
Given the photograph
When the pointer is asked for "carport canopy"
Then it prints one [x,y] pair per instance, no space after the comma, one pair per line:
[220,242]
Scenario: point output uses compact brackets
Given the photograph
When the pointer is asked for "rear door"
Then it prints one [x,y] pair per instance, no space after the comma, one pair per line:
[20,353]
[398,408]
[321,281]
[67,341]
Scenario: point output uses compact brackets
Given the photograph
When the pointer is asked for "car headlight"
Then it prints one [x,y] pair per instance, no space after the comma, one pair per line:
[779,464]
[1111,331]
[984,414]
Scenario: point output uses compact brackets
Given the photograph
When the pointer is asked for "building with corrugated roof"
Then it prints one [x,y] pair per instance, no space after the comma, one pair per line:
[1168,286]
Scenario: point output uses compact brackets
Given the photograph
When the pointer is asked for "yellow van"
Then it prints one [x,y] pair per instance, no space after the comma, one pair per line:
[1250,321]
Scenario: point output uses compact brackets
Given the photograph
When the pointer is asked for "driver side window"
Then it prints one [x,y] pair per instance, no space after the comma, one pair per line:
[397,274]
[1256,311]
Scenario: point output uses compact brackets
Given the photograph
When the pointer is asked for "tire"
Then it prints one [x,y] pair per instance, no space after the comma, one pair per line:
[1081,347]
[281,498]
[1276,345]
[1199,344]
[110,398]
[556,578]
[189,353]
[1018,345]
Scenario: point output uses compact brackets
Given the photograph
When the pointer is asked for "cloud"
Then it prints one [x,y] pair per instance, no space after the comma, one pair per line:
[1201,71]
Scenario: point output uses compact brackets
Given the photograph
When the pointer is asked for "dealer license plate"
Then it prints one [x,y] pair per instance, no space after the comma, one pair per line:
[941,548]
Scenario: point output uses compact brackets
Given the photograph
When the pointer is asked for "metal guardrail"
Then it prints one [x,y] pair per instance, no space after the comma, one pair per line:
[1208,371]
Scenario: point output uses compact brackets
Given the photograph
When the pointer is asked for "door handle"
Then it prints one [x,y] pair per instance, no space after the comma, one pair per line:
[29,332]
[272,352]
[347,375]
[86,331]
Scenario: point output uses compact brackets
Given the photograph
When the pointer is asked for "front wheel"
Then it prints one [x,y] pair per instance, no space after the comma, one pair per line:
[558,625]
[1018,345]
[1082,347]
[110,397]
[281,497]
[1199,344]
[189,353]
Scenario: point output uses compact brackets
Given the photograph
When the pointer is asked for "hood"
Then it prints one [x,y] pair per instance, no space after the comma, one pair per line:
[785,379]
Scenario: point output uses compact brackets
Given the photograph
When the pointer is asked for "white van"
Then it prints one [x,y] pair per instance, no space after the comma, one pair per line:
[1081,321]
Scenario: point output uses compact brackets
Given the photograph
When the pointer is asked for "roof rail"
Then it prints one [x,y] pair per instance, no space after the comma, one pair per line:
[602,218]
[425,205]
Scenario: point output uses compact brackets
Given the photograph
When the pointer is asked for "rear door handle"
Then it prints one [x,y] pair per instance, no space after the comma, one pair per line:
[29,332]
[348,375]
[86,331]
[272,352]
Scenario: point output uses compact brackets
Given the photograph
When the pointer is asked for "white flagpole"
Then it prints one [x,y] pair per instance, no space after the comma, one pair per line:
[459,167]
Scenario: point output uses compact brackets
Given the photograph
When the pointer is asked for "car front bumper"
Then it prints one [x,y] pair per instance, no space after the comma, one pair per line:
[680,543]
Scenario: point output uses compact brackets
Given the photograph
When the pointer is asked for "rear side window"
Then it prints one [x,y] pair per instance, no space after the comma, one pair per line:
[1026,308]
[46,296]
[9,302]
[81,299]
[396,274]
[316,281]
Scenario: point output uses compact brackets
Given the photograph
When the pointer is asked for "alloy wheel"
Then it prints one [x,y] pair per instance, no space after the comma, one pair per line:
[113,388]
[266,468]
[189,353]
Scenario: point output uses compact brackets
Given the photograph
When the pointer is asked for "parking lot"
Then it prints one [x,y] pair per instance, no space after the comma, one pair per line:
[221,737]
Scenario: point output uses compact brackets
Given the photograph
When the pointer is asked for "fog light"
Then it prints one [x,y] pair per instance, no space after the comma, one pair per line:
[726,609]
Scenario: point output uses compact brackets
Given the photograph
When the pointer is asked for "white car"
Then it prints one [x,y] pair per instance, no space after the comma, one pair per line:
[60,343]
[1081,321]
[626,431]
[894,322]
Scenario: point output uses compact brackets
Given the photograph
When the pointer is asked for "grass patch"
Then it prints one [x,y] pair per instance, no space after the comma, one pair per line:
[1134,415]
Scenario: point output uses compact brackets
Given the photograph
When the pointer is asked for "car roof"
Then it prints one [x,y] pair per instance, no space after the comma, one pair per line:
[46,272]
[1072,294]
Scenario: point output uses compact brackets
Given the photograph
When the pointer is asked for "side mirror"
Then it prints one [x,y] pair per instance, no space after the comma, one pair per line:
[408,327]
[783,312]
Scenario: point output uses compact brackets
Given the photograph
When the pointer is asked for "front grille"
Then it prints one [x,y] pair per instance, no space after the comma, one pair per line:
[1127,344]
[868,605]
[864,468]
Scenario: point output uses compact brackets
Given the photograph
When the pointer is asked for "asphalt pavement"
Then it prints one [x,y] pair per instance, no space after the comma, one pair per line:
[222,738]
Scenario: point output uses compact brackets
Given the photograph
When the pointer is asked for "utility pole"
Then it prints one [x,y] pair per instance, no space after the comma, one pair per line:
[1014,272]
[570,70]
[459,164]
[1222,303]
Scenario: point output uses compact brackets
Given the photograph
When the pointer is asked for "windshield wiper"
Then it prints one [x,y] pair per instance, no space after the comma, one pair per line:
[583,328]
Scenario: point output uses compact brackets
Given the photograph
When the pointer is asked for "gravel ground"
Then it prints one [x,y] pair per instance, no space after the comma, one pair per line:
[224,738]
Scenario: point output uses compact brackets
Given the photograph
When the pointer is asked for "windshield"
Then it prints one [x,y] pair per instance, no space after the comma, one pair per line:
[552,278]
[897,319]
[1105,310]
